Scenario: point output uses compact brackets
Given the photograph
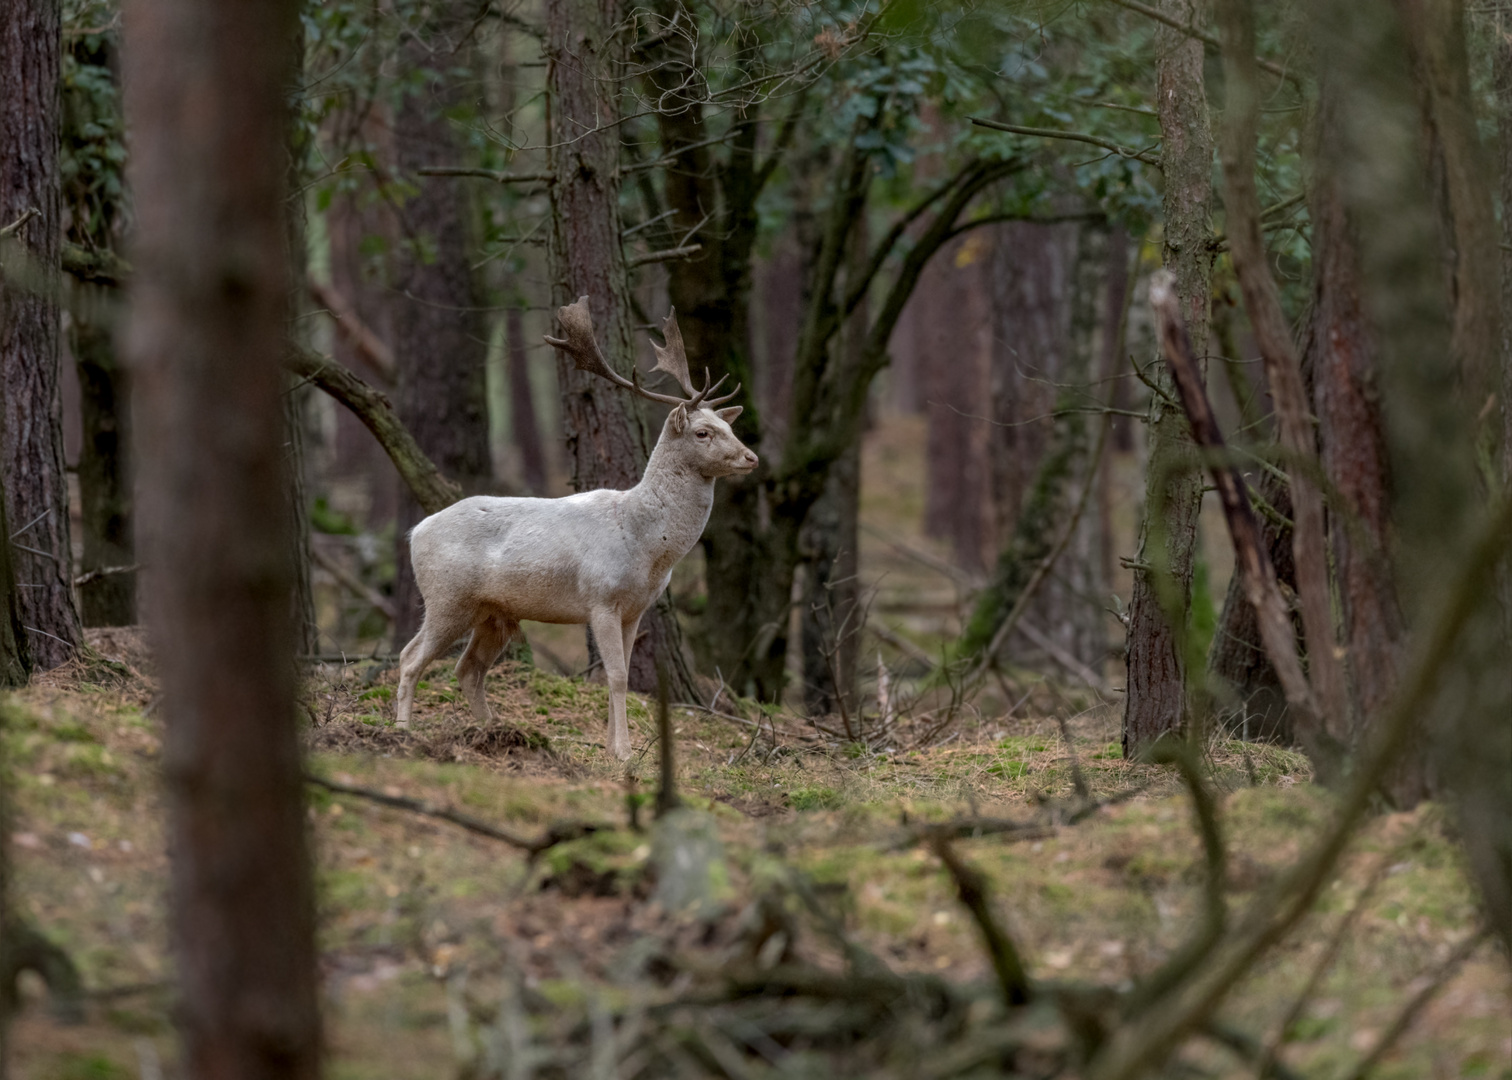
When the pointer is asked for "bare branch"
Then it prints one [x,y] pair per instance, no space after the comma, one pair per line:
[662,256]
[1073,136]
[1192,32]
[497,176]
[372,347]
[971,886]
[431,490]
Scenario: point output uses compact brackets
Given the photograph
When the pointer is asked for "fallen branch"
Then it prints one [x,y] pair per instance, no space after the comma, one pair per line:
[557,834]
[431,490]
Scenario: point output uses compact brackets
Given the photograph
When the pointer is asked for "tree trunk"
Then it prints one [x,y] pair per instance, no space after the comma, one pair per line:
[1030,330]
[607,444]
[440,340]
[1065,313]
[105,491]
[957,326]
[32,454]
[206,93]
[830,615]
[1155,697]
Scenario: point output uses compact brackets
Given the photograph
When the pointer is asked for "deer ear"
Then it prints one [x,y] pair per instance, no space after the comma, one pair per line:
[729,415]
[677,419]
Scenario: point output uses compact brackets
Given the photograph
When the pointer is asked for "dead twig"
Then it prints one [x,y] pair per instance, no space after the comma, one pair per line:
[557,834]
[971,886]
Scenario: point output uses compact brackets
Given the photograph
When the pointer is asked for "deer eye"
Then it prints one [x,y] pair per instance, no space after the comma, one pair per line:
[702,433]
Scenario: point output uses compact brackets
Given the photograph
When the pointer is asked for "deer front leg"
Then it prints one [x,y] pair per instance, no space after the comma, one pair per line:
[608,634]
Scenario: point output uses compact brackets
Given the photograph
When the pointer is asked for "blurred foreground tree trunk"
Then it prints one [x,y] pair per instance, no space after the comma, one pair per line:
[1429,406]
[607,443]
[440,335]
[31,455]
[1155,701]
[206,95]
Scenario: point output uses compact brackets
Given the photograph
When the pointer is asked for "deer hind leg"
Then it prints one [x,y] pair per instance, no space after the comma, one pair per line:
[436,635]
[489,637]
[609,634]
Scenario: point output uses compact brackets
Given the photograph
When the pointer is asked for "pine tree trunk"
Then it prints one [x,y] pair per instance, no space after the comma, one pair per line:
[607,444]
[440,340]
[1155,696]
[31,456]
[206,96]
[105,491]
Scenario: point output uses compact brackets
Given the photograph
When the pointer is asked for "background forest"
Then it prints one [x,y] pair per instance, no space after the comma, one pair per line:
[1106,672]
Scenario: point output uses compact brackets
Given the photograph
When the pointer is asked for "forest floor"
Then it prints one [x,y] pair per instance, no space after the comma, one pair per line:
[421,922]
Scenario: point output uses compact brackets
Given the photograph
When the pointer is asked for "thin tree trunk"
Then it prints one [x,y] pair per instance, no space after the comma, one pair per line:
[1502,69]
[105,488]
[607,443]
[1155,699]
[206,96]
[31,456]
[440,340]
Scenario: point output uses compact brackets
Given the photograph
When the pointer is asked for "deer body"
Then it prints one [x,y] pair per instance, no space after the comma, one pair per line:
[599,558]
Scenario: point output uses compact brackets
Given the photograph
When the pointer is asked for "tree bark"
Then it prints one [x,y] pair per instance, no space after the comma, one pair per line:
[440,340]
[1155,698]
[206,95]
[607,444]
[32,453]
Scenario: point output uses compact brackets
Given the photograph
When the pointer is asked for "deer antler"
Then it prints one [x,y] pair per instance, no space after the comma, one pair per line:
[673,359]
[582,346]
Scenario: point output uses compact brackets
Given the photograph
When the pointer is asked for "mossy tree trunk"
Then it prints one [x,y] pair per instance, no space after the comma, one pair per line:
[1156,688]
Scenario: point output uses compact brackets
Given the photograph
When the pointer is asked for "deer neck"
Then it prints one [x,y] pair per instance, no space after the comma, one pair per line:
[672,502]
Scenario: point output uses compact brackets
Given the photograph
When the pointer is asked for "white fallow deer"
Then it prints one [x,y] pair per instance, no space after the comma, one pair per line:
[598,557]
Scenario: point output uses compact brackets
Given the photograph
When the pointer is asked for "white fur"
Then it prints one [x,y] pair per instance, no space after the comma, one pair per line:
[598,557]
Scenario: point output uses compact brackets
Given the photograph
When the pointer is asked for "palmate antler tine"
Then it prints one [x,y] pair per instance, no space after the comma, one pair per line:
[673,358]
[581,344]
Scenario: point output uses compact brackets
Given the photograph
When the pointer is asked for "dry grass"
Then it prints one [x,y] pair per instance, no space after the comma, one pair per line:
[409,904]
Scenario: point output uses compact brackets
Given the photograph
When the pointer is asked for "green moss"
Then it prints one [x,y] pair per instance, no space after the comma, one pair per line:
[813,798]
[74,1066]
[377,693]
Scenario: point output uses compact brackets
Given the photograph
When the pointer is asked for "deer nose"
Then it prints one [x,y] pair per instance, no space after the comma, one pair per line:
[751,459]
